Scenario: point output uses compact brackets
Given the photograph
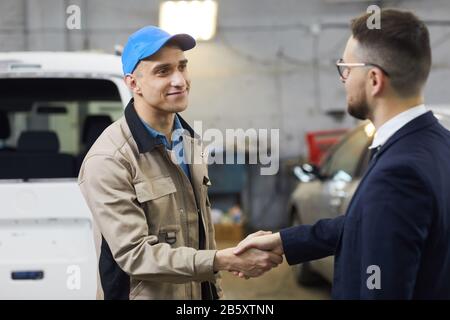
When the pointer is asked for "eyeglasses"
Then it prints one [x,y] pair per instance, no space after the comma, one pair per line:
[344,68]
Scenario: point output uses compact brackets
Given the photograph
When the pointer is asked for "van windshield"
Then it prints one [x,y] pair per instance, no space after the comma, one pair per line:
[47,125]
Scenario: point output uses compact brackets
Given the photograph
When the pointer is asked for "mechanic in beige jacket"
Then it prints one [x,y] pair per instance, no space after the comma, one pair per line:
[146,182]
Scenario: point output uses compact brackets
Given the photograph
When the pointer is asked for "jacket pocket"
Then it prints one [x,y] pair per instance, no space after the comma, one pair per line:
[157,197]
[156,188]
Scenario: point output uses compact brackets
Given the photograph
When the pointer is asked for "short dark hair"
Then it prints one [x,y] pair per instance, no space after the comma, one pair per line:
[401,46]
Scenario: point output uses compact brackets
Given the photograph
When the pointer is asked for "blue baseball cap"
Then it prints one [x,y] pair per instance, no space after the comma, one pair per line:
[147,41]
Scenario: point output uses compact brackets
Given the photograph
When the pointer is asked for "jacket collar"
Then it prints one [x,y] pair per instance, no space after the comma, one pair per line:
[390,127]
[416,124]
[425,120]
[144,141]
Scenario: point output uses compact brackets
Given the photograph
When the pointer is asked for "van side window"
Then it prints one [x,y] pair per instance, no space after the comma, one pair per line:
[50,119]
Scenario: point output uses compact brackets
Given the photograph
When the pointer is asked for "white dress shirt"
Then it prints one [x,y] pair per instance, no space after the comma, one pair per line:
[396,123]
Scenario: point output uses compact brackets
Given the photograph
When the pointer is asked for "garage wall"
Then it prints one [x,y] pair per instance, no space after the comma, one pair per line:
[271,64]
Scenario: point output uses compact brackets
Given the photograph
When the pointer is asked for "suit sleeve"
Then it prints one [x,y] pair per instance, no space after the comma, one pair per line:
[310,242]
[395,222]
[106,186]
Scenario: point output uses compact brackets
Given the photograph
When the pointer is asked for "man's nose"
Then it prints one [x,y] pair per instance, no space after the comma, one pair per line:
[178,79]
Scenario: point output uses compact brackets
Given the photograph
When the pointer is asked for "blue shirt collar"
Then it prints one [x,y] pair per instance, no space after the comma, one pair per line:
[177,134]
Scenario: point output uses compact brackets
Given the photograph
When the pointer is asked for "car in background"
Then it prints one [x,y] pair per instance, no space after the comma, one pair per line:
[325,191]
[53,106]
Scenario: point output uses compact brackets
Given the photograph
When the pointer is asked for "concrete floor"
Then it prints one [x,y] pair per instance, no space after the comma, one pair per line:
[277,284]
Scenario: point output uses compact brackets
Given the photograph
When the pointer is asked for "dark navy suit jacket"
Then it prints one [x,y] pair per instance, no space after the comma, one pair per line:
[397,220]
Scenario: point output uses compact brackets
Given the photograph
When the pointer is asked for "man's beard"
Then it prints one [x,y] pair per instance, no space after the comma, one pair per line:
[359,109]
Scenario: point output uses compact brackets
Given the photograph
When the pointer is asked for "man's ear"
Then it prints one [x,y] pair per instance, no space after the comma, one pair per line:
[377,81]
[131,82]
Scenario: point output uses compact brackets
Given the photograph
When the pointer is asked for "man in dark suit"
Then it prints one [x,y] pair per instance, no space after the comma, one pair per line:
[394,240]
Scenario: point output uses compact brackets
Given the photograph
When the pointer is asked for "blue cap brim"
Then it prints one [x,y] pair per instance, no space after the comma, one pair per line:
[183,40]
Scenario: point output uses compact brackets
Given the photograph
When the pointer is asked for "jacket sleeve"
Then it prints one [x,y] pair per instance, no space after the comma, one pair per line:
[395,222]
[106,184]
[309,242]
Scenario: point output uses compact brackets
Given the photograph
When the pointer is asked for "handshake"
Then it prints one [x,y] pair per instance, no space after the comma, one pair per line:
[253,256]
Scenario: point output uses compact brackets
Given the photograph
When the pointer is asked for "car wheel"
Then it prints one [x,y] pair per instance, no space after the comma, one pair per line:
[304,275]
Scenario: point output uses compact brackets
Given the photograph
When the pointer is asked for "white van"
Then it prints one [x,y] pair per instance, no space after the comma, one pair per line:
[53,106]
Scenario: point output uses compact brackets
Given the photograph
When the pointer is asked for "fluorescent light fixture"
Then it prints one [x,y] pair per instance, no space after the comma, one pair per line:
[196,18]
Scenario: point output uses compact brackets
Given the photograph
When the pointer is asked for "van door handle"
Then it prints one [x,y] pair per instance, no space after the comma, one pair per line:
[27,275]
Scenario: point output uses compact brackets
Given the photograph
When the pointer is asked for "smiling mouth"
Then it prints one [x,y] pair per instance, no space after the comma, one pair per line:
[176,93]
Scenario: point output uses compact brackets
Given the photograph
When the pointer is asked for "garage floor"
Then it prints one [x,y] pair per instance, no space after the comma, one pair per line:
[277,284]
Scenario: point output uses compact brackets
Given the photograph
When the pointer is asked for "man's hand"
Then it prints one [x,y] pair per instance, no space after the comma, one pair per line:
[261,240]
[251,263]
